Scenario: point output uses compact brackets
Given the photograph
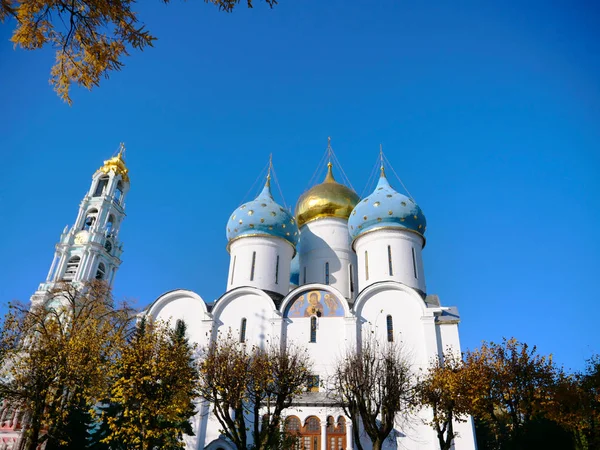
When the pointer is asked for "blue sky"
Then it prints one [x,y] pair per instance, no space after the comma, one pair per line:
[489,113]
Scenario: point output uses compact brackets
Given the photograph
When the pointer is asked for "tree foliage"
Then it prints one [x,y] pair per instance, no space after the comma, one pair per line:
[375,384]
[54,357]
[577,406]
[510,387]
[250,387]
[154,384]
[444,390]
[91,37]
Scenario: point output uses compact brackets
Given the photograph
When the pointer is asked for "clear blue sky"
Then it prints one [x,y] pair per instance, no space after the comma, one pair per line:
[489,113]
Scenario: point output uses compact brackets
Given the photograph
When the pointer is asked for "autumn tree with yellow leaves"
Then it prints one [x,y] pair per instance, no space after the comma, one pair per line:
[249,388]
[153,387]
[444,390]
[54,357]
[91,37]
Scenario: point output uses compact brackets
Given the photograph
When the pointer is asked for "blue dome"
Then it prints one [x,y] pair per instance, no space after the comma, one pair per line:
[386,208]
[262,217]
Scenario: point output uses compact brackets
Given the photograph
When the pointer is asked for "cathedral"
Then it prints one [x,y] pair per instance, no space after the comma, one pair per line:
[320,277]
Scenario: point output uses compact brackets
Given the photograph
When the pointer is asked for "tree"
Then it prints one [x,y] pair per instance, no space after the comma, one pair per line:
[153,388]
[374,383]
[577,406]
[250,387]
[443,389]
[510,388]
[91,37]
[54,357]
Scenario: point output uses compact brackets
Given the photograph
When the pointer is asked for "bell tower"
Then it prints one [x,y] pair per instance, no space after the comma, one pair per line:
[91,249]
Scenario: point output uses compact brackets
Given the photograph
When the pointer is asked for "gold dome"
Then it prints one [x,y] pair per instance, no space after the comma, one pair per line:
[117,164]
[328,199]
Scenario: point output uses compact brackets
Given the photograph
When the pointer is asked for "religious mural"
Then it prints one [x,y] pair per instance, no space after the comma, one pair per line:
[315,303]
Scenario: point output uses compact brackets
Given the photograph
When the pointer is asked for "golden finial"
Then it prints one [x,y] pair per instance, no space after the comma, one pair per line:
[329,177]
[121,149]
[117,164]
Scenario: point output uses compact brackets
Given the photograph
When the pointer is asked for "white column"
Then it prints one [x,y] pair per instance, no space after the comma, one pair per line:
[349,435]
[52,266]
[61,266]
[324,434]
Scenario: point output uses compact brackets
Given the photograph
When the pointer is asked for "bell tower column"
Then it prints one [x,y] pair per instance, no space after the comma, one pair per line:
[90,249]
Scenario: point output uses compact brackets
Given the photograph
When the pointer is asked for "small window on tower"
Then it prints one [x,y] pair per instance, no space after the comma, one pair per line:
[109,225]
[351,276]
[390,329]
[366,265]
[90,219]
[414,255]
[243,331]
[390,260]
[253,266]
[101,272]
[71,269]
[233,269]
[277,270]
[101,186]
[326,273]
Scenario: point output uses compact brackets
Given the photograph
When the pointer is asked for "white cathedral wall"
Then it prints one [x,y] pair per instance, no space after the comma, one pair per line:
[324,241]
[262,252]
[405,268]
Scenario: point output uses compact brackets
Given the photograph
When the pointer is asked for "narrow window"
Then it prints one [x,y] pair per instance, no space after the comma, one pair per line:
[390,329]
[313,329]
[71,269]
[101,186]
[277,270]
[233,269]
[390,260]
[414,263]
[243,331]
[110,225]
[90,219]
[326,273]
[252,268]
[351,274]
[366,265]
[100,272]
[304,282]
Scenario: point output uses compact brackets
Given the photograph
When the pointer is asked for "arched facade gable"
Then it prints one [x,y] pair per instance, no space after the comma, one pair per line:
[229,296]
[370,291]
[306,288]
[219,444]
[171,297]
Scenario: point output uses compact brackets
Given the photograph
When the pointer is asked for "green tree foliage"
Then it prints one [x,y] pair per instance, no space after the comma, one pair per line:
[249,388]
[375,385]
[444,389]
[91,37]
[54,358]
[154,384]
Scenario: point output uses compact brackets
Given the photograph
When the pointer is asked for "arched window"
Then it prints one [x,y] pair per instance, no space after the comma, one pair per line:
[313,329]
[390,260]
[253,266]
[390,328]
[100,272]
[90,219]
[101,186]
[110,225]
[243,331]
[326,273]
[119,192]
[366,265]
[71,269]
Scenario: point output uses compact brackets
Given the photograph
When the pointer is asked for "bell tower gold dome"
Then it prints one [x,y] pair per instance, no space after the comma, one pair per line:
[328,199]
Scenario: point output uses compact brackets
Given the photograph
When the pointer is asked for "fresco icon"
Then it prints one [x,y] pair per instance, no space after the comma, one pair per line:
[315,303]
